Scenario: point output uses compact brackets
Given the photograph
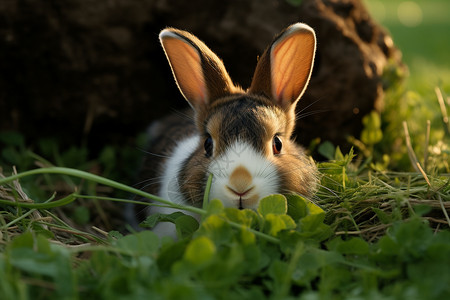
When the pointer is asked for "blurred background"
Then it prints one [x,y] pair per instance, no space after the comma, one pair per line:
[421,29]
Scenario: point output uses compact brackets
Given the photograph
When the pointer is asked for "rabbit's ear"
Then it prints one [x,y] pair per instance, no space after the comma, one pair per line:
[283,71]
[199,73]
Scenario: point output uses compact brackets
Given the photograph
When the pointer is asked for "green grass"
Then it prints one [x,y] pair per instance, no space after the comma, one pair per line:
[424,45]
[379,228]
[376,234]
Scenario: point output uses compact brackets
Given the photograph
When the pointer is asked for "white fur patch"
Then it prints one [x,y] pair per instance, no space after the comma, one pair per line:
[170,188]
[264,174]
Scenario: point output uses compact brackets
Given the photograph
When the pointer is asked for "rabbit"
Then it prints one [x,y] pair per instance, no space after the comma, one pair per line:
[242,137]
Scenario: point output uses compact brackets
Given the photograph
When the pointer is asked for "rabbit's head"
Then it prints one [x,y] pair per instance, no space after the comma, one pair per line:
[244,136]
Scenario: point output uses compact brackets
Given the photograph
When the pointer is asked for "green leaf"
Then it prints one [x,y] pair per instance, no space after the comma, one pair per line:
[422,209]
[311,262]
[247,237]
[330,168]
[217,229]
[310,217]
[25,240]
[200,251]
[414,236]
[114,235]
[313,209]
[26,259]
[311,222]
[171,253]
[11,155]
[354,245]
[277,271]
[12,138]
[273,204]
[142,243]
[36,256]
[297,207]
[245,217]
[290,240]
[388,246]
[186,225]
[327,150]
[154,219]
[275,223]
[312,228]
[215,206]
[338,155]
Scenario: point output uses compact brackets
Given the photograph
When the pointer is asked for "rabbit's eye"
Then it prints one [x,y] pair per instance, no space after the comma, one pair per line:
[208,146]
[277,145]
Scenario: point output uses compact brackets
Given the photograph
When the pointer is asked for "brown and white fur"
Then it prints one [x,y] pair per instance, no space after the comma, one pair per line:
[242,137]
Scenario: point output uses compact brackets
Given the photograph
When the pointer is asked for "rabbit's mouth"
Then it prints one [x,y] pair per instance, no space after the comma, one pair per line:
[238,193]
[248,202]
[246,199]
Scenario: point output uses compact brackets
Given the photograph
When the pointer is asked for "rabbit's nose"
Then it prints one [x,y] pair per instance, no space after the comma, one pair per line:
[241,184]
[240,181]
